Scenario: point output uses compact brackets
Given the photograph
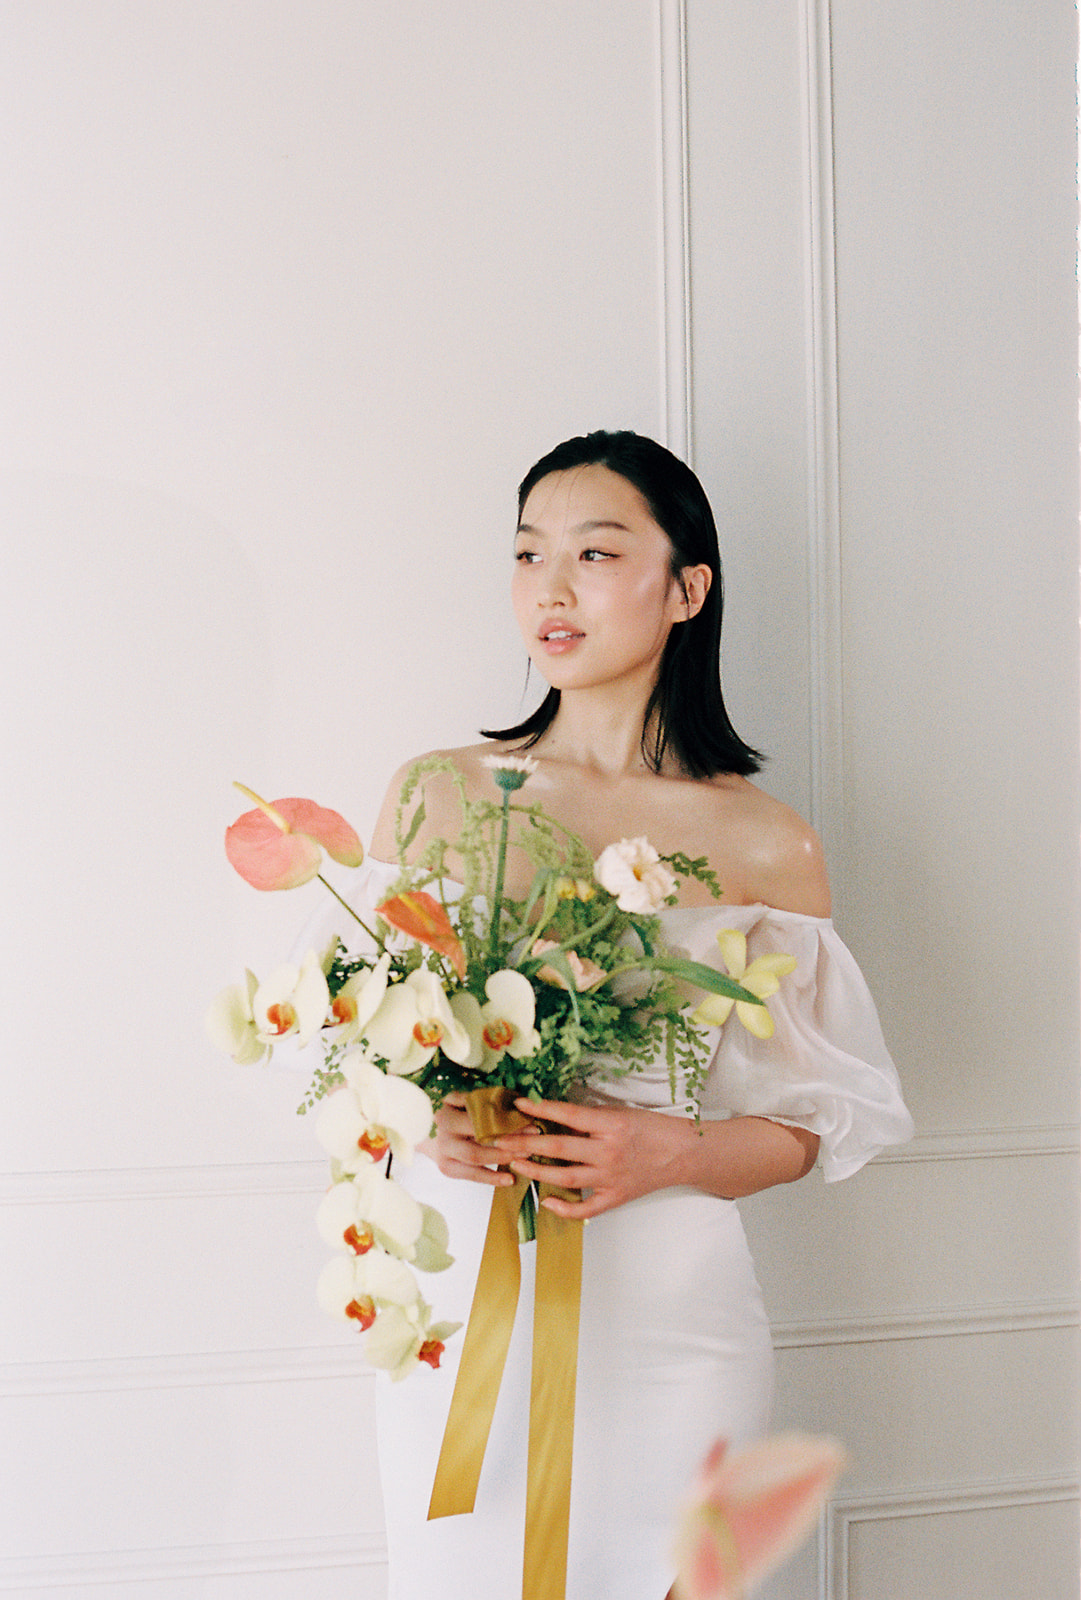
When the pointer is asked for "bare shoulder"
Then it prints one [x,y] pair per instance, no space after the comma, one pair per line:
[442,805]
[780,854]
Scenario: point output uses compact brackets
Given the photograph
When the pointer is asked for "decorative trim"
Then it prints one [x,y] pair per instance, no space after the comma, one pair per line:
[948,1499]
[20,1380]
[941,1322]
[984,1144]
[212,1181]
[675,262]
[825,623]
[92,1569]
[81,1186]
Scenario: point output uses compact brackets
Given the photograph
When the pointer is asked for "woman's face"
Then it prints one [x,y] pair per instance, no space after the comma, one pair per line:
[593,590]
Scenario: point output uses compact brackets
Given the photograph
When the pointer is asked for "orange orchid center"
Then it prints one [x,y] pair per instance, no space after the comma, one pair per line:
[360,1241]
[428,1034]
[281,1017]
[430,1351]
[343,1008]
[374,1143]
[498,1034]
[362,1312]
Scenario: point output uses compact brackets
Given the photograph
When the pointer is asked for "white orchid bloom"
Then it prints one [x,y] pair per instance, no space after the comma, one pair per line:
[507,1017]
[634,872]
[357,1288]
[357,1001]
[230,1023]
[414,1021]
[292,1000]
[370,1209]
[371,1114]
[762,977]
[403,1338]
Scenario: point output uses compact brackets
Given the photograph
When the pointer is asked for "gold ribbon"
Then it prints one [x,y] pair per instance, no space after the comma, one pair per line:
[484,1354]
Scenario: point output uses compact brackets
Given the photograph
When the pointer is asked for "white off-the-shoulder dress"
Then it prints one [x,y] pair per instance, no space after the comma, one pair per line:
[674,1347]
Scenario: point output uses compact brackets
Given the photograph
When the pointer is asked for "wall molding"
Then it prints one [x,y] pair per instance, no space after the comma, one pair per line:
[93,1569]
[675,253]
[848,1511]
[824,612]
[309,1177]
[21,1380]
[935,1322]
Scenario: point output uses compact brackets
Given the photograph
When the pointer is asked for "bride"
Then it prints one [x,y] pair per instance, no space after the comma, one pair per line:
[617,592]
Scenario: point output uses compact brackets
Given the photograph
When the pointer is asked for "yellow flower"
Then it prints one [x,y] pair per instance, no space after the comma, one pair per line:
[762,977]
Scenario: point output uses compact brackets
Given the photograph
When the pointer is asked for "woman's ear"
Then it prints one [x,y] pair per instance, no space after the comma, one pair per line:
[694,585]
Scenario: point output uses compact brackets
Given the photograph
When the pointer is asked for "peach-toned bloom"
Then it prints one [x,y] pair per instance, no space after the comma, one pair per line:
[420,915]
[634,872]
[280,845]
[749,1510]
[586,974]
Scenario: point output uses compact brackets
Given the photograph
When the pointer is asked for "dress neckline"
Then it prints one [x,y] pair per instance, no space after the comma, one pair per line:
[754,911]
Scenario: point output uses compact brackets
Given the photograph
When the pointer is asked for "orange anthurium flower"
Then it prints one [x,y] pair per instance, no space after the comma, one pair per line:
[422,917]
[280,845]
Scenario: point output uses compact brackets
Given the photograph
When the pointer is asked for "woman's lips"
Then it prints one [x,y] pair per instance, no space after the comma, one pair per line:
[558,638]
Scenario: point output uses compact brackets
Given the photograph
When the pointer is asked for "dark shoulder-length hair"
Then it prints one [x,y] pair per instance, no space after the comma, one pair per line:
[686,712]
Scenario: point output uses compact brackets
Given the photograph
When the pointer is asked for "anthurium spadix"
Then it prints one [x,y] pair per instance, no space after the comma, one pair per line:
[280,844]
[749,1510]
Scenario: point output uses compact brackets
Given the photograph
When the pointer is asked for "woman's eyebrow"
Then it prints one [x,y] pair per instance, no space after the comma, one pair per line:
[582,527]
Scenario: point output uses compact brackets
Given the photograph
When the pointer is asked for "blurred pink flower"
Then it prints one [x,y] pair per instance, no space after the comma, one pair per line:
[280,845]
[749,1511]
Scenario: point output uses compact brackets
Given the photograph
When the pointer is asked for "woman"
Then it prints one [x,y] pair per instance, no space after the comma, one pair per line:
[617,592]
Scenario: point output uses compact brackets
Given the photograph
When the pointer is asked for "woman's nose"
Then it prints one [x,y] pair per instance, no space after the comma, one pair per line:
[555,585]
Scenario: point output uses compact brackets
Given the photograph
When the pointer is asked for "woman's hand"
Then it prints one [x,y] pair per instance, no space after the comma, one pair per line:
[614,1155]
[455,1151]
[618,1155]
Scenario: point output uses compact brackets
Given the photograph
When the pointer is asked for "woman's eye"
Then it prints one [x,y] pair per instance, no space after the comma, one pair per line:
[598,555]
[526,555]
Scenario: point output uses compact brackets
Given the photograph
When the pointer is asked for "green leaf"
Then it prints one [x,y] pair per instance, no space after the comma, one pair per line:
[704,977]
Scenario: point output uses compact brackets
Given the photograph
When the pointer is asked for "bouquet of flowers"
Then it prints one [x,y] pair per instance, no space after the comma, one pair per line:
[465,989]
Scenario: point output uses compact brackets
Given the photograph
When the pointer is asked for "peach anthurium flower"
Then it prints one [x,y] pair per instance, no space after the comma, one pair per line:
[634,872]
[421,917]
[357,1001]
[357,1288]
[586,974]
[507,1017]
[405,1336]
[367,1210]
[292,1000]
[749,1510]
[280,845]
[414,1021]
[372,1114]
[762,977]
[230,1022]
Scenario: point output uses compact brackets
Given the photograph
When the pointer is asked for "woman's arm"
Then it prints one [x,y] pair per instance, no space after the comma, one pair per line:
[618,1155]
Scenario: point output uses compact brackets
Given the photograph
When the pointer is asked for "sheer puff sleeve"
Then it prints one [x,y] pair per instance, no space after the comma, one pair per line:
[826,1067]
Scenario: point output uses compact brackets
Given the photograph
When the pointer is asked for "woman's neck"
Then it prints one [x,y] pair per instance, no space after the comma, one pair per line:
[595,733]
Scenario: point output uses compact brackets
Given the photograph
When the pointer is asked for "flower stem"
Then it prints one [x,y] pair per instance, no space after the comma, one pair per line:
[350,910]
[500,870]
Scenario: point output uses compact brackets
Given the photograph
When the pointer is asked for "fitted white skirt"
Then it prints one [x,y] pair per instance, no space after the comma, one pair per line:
[674,1351]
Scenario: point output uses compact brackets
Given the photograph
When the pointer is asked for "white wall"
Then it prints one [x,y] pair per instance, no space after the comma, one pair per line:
[293,294]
